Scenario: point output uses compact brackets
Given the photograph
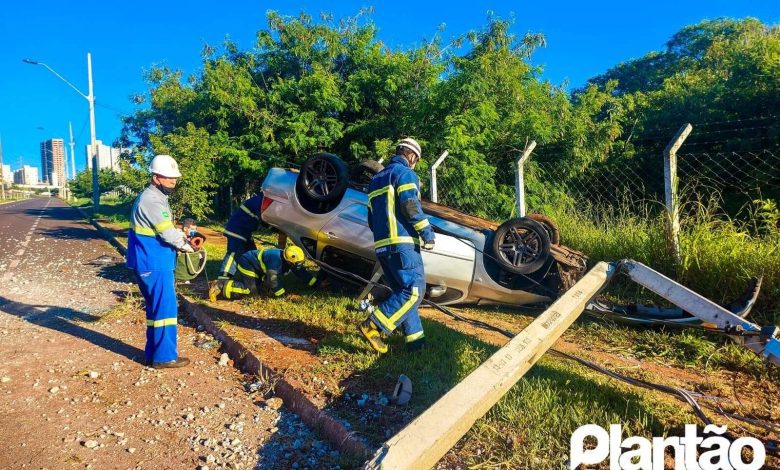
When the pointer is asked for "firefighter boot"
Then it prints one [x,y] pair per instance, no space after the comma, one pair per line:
[373,336]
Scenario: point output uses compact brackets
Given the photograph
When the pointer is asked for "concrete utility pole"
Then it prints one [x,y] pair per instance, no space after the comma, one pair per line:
[72,153]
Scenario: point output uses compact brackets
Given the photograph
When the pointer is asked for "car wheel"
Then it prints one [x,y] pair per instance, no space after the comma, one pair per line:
[521,246]
[361,174]
[549,225]
[323,178]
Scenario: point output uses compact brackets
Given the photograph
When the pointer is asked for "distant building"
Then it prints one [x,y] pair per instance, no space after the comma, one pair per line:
[8,175]
[108,157]
[53,161]
[26,175]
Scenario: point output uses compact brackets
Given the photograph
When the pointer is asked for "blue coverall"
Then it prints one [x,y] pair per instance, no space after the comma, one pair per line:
[151,253]
[261,270]
[396,218]
[238,230]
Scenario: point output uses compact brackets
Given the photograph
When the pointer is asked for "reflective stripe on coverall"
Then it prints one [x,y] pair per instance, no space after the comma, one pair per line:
[398,222]
[151,254]
[262,269]
[238,230]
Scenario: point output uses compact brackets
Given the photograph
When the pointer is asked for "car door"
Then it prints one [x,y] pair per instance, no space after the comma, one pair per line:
[348,230]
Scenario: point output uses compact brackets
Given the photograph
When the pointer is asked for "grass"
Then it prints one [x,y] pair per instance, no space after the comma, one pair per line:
[719,255]
[531,425]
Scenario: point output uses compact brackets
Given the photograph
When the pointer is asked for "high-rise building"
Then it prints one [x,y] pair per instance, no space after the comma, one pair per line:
[108,157]
[8,175]
[26,175]
[53,161]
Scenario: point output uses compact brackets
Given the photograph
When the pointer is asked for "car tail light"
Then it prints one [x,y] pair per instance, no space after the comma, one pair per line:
[266,202]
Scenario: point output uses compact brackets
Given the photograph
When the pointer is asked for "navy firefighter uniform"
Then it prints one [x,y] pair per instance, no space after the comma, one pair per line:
[261,271]
[239,229]
[398,222]
[151,253]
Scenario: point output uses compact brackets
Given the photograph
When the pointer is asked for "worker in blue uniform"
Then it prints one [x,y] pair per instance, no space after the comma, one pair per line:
[261,271]
[398,223]
[238,230]
[151,253]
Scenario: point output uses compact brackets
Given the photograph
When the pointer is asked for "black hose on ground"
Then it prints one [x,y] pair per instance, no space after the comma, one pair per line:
[683,395]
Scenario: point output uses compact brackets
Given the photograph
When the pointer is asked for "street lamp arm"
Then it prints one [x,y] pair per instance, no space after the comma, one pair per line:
[33,62]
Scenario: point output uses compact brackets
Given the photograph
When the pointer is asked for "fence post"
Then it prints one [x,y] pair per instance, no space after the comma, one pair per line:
[670,192]
[520,177]
[434,191]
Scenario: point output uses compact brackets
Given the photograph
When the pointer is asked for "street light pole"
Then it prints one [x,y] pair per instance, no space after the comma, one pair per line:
[91,99]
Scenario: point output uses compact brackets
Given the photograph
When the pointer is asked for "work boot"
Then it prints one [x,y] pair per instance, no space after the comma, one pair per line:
[373,336]
[215,287]
[178,362]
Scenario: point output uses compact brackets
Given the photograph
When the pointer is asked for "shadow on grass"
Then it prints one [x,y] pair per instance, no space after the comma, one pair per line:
[553,393]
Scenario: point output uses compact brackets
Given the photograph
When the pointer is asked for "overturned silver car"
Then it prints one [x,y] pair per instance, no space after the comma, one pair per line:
[323,208]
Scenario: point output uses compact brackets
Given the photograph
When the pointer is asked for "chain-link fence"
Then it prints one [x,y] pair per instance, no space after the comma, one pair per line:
[633,182]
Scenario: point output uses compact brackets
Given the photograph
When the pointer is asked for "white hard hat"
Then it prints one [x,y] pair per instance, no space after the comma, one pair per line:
[165,165]
[412,145]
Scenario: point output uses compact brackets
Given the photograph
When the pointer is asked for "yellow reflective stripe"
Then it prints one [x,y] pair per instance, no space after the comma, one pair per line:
[395,241]
[228,289]
[246,272]
[378,192]
[383,320]
[405,307]
[229,262]
[312,281]
[279,292]
[414,336]
[246,209]
[391,222]
[407,187]
[421,224]
[149,232]
[260,259]
[233,234]
[163,226]
[163,322]
[238,290]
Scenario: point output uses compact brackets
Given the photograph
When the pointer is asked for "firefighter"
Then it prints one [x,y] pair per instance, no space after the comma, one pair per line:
[398,223]
[238,230]
[151,253]
[261,270]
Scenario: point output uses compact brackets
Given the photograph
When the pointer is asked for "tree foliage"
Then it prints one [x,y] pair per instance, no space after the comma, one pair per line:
[328,84]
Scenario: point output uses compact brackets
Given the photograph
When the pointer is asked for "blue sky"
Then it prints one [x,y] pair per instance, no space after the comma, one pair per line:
[126,38]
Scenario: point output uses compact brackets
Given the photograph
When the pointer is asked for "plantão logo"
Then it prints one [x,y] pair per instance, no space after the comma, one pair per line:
[639,453]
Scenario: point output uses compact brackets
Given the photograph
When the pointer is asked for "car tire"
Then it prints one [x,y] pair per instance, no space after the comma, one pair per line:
[361,174]
[323,178]
[521,246]
[549,225]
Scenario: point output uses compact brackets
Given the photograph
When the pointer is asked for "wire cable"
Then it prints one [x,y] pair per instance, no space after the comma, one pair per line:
[771,446]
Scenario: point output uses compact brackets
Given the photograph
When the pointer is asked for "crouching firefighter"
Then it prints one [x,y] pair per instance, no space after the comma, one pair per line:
[151,253]
[261,271]
[397,221]
[239,229]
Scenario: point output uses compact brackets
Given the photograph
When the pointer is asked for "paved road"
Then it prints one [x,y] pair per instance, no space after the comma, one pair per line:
[43,241]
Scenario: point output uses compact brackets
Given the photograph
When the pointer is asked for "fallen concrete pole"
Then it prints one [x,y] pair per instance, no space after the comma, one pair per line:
[426,439]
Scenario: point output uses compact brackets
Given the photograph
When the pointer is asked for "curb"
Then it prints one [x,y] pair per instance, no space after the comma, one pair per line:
[328,427]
